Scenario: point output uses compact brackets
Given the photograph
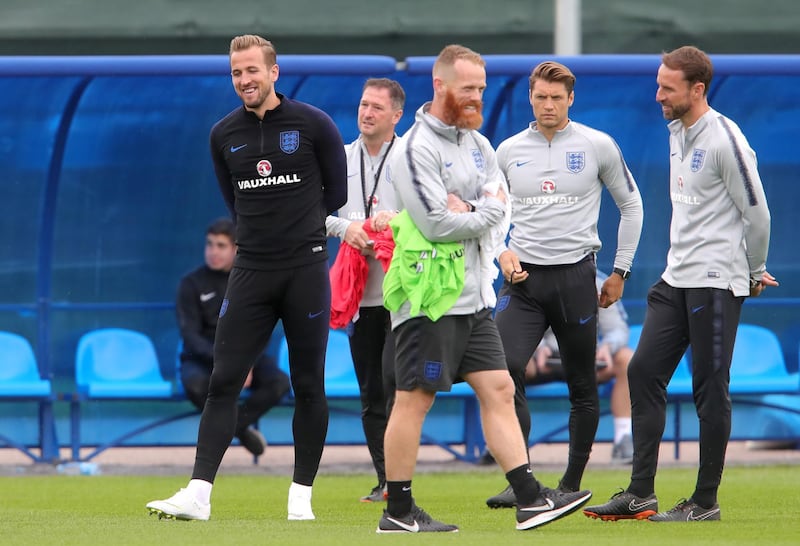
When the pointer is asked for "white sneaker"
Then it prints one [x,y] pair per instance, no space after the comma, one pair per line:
[182,505]
[300,502]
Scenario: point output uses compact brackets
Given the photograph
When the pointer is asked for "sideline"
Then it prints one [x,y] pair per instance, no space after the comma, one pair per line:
[277,460]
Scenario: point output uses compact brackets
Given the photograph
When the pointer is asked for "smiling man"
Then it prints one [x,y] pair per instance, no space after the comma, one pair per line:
[371,201]
[719,237]
[446,178]
[281,169]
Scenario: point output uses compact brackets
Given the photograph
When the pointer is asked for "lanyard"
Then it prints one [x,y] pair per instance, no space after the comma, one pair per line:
[368,200]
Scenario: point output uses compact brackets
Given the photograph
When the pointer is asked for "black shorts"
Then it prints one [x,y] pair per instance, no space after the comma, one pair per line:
[434,355]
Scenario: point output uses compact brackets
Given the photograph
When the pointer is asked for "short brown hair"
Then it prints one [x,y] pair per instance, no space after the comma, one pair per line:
[551,71]
[396,92]
[454,52]
[222,226]
[246,41]
[693,62]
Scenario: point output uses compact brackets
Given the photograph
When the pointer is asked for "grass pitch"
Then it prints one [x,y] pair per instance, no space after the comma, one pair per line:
[759,506]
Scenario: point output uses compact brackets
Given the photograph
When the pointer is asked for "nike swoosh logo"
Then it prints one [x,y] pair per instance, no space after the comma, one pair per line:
[521,163]
[406,489]
[673,154]
[701,517]
[697,309]
[205,297]
[448,164]
[549,506]
[235,149]
[351,175]
[585,320]
[410,528]
[636,506]
[315,315]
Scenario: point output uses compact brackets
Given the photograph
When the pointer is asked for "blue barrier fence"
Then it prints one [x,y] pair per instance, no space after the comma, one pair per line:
[107,184]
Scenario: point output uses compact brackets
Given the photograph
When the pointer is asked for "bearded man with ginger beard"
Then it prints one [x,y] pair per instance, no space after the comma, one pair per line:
[447,181]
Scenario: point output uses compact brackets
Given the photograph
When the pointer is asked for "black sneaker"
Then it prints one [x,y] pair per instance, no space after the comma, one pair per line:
[416,521]
[688,510]
[623,505]
[377,494]
[504,499]
[252,440]
[550,505]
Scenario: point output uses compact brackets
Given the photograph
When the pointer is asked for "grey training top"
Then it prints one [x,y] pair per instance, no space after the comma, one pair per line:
[556,188]
[355,208]
[720,221]
[432,160]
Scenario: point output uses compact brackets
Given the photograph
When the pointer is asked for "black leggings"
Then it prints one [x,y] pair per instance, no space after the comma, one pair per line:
[706,318]
[254,302]
[372,349]
[563,297]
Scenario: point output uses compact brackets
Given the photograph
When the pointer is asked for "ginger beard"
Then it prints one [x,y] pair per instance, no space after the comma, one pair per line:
[456,113]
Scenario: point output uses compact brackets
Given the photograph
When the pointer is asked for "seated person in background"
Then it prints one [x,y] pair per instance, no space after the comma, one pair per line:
[613,355]
[200,296]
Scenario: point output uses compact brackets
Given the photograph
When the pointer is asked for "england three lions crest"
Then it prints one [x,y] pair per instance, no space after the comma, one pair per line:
[477,157]
[290,141]
[576,161]
[698,156]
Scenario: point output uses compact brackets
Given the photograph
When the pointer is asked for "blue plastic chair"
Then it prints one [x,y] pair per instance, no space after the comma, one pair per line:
[119,363]
[116,364]
[758,366]
[19,373]
[20,381]
[340,375]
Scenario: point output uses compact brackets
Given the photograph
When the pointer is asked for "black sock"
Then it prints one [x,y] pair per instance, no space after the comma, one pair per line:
[400,500]
[642,488]
[525,487]
[706,498]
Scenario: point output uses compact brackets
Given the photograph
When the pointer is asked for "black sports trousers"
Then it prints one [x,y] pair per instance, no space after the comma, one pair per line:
[563,297]
[706,319]
[255,300]
[372,349]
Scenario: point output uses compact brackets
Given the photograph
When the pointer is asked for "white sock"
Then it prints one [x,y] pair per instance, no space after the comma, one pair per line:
[622,426]
[201,490]
[301,490]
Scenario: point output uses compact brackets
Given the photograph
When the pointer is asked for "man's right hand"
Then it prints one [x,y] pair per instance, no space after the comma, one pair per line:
[510,267]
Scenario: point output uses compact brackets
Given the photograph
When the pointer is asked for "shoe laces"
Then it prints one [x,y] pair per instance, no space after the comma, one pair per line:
[618,493]
[681,505]
[420,515]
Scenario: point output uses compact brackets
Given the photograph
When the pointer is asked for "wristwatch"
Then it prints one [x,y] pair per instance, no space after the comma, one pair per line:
[624,273]
[754,282]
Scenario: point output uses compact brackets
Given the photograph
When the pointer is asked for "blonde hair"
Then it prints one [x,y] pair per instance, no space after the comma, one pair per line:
[246,41]
[452,53]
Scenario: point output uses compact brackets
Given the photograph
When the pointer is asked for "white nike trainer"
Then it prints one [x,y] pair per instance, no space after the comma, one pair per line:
[182,505]
[299,506]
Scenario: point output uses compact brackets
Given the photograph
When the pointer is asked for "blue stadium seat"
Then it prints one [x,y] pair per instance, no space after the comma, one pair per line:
[340,375]
[20,381]
[758,366]
[19,374]
[119,363]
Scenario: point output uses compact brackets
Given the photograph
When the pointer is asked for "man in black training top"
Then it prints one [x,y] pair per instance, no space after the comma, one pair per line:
[281,169]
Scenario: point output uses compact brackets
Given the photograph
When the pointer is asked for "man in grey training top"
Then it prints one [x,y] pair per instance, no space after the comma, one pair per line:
[556,171]
[718,250]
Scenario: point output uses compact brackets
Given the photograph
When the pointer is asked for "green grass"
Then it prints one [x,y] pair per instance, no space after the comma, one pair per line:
[759,506]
